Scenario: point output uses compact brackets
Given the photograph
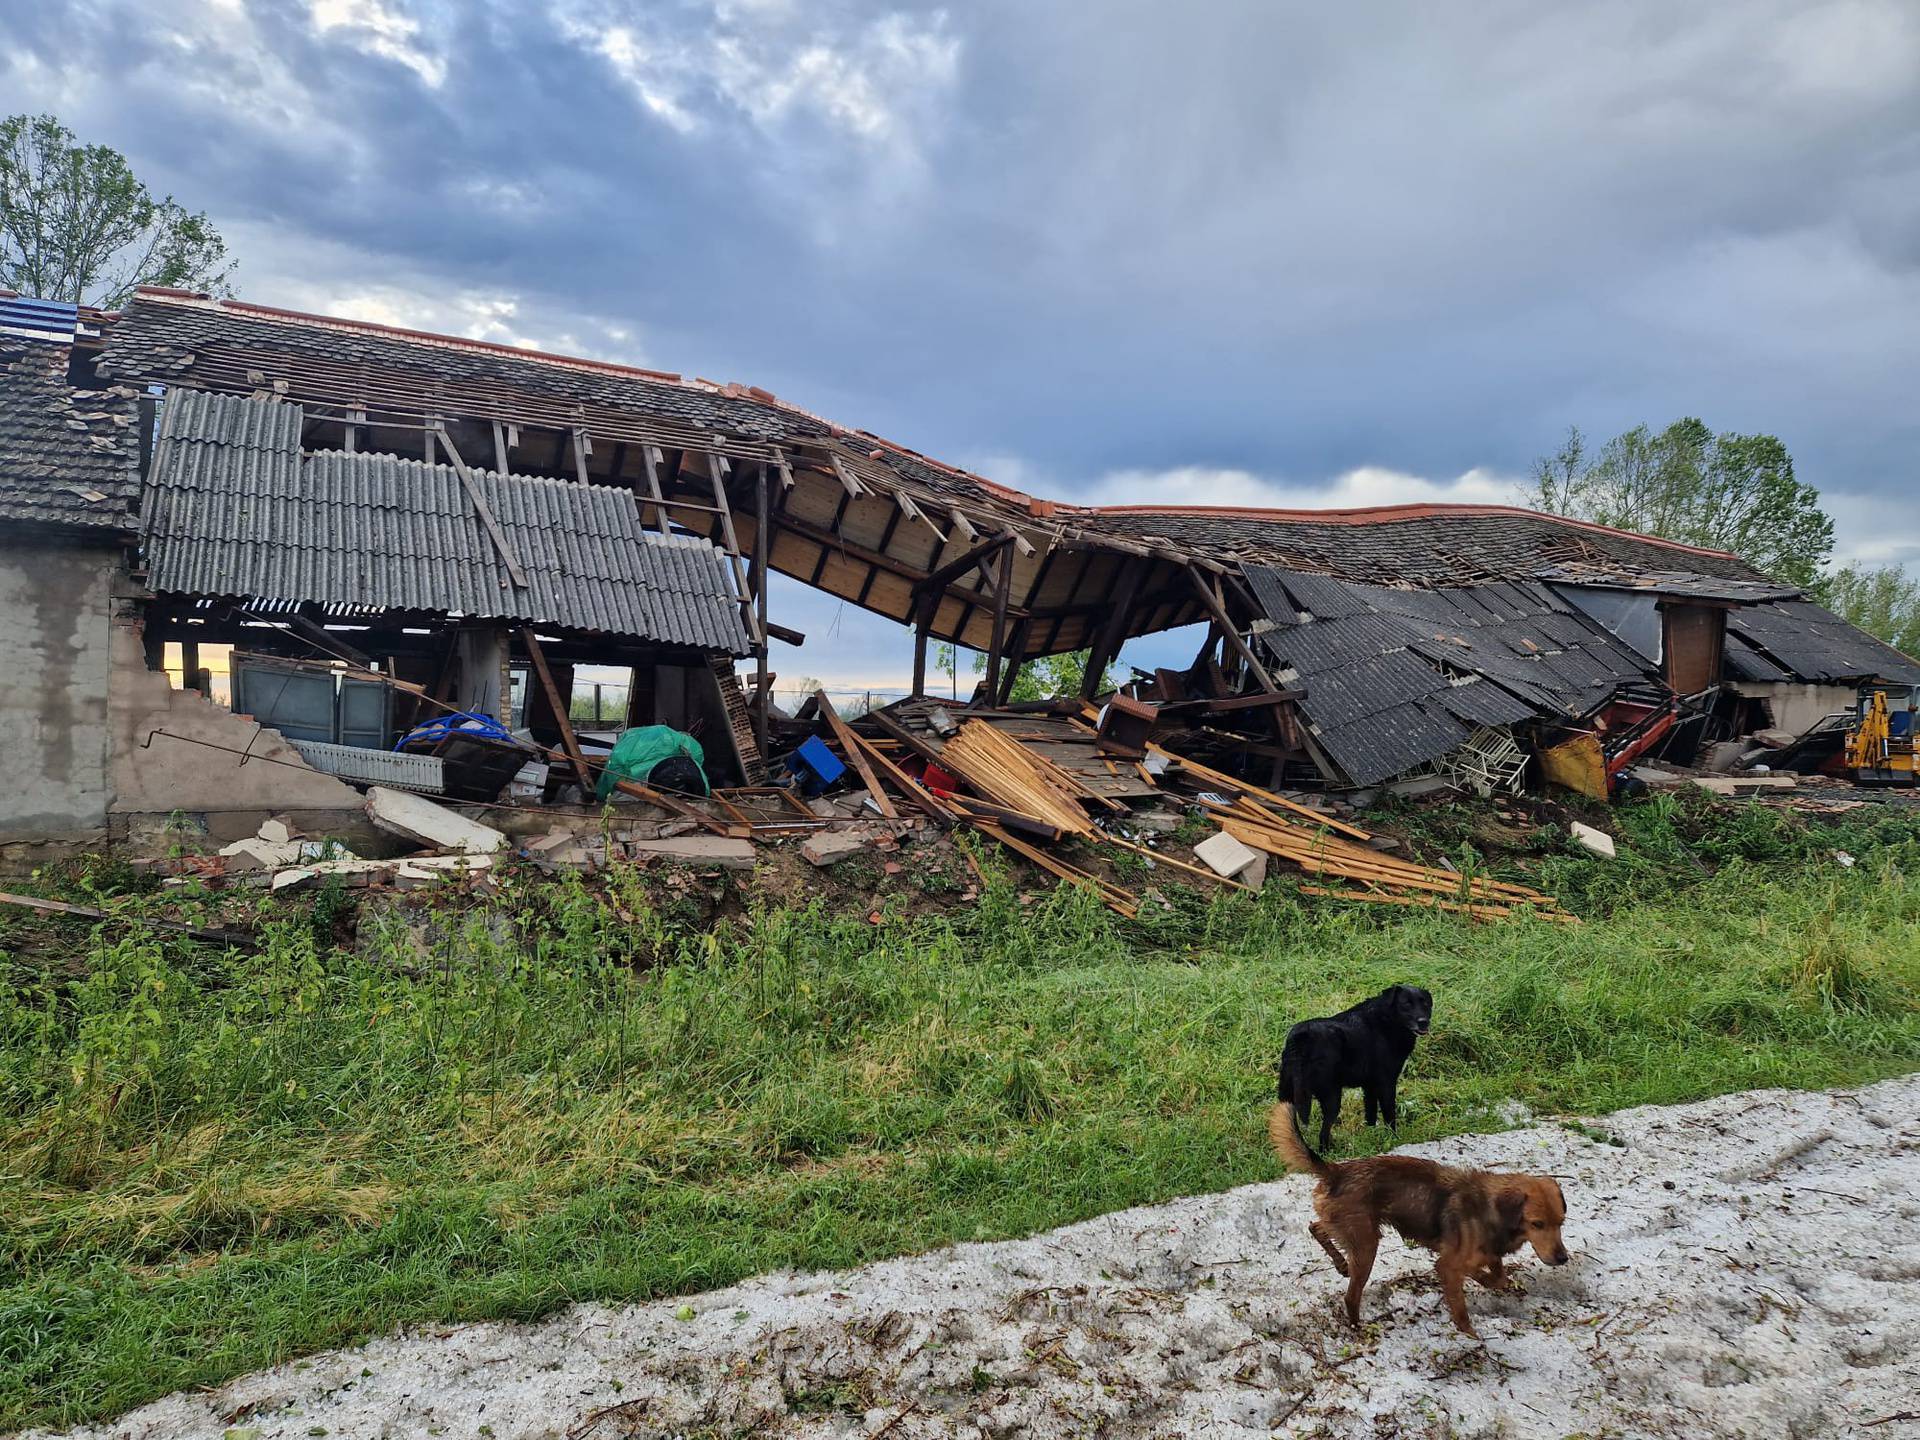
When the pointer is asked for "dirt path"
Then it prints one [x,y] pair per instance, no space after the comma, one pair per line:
[1744,1266]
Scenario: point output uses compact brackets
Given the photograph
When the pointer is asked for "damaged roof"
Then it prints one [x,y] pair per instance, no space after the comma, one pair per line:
[69,454]
[1405,544]
[1395,679]
[173,337]
[233,508]
[169,337]
[1680,584]
[840,527]
[1797,640]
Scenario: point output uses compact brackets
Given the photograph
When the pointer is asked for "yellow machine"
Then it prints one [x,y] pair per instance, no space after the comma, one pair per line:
[1880,744]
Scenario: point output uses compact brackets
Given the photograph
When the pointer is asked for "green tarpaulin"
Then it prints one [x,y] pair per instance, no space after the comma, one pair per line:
[637,751]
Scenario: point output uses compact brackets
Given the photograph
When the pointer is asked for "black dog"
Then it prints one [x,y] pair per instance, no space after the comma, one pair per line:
[1366,1046]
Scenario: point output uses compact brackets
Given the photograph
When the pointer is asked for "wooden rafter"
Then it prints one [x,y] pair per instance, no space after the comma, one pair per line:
[472,487]
[850,746]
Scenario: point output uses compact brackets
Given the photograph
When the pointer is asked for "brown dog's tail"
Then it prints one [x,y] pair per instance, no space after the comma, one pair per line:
[1287,1139]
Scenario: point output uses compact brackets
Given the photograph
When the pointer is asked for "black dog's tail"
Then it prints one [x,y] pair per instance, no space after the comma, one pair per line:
[1292,1145]
[1292,1085]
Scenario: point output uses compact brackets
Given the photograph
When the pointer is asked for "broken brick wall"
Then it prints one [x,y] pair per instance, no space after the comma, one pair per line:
[175,752]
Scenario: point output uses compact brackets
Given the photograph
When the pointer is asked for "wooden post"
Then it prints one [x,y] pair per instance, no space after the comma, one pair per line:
[1206,646]
[717,471]
[1114,631]
[1000,593]
[568,739]
[760,609]
[1016,652]
[926,606]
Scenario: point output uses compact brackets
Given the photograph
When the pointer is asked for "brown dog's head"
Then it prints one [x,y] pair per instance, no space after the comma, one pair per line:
[1533,1210]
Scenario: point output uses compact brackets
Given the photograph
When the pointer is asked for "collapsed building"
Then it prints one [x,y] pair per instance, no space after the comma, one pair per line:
[379,526]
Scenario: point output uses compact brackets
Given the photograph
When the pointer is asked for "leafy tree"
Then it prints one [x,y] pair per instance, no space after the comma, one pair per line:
[946,661]
[76,224]
[1882,600]
[1724,492]
[1050,675]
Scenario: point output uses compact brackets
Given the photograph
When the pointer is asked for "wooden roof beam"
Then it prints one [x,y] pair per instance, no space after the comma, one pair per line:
[472,487]
[1216,607]
[853,550]
[960,565]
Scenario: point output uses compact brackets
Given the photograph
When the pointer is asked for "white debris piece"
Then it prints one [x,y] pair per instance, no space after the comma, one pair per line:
[824,847]
[1742,784]
[1225,855]
[418,818]
[709,850]
[420,870]
[255,853]
[1598,841]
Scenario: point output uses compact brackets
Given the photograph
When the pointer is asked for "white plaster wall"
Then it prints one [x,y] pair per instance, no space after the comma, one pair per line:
[177,750]
[1798,706]
[56,629]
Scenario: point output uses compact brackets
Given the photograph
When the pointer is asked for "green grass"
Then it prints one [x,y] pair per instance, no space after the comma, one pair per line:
[212,1162]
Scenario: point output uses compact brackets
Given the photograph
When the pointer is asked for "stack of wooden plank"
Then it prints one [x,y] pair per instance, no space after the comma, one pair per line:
[1325,846]
[1383,879]
[1017,777]
[1026,801]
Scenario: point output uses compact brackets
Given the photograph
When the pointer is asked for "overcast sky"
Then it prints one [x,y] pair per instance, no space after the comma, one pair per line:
[1111,251]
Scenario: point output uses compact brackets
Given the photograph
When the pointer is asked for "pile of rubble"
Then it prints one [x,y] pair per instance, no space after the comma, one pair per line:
[1085,794]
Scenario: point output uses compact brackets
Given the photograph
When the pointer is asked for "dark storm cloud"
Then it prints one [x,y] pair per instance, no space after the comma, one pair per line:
[1282,242]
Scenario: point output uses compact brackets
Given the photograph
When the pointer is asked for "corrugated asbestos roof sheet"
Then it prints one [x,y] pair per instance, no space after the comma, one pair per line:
[1459,548]
[68,456]
[1393,741]
[233,508]
[1481,702]
[1746,663]
[1814,644]
[1682,583]
[1377,696]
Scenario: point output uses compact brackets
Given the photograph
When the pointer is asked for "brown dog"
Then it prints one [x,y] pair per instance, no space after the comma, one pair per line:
[1474,1219]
